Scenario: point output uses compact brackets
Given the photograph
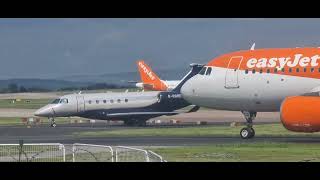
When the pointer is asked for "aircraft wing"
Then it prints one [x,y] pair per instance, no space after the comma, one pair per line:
[142,114]
[115,115]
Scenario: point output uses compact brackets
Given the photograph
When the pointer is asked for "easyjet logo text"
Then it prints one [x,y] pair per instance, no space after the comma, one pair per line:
[281,62]
[146,70]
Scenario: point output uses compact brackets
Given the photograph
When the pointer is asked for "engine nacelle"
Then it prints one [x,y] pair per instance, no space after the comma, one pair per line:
[301,113]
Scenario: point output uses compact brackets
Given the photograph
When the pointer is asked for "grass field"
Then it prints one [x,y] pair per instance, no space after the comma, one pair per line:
[24,103]
[18,120]
[199,131]
[242,152]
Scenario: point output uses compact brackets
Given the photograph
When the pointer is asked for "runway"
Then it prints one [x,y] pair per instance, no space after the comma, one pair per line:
[63,134]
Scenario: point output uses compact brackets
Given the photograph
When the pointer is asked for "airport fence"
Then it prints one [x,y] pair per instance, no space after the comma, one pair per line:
[92,153]
[55,152]
[44,152]
[100,153]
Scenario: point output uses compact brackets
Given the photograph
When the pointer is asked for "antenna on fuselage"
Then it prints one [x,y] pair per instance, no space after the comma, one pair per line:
[252,47]
[127,91]
[79,92]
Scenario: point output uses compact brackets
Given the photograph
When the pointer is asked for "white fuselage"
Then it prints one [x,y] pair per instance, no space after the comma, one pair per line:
[226,89]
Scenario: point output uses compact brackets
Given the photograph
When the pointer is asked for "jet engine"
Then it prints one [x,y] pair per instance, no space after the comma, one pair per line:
[301,113]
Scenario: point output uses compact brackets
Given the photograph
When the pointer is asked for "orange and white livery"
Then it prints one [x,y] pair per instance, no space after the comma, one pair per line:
[262,80]
[150,81]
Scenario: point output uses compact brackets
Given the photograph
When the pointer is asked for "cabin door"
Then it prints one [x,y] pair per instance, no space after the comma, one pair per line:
[231,79]
[80,104]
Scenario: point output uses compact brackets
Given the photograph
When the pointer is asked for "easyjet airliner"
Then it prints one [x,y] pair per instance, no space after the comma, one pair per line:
[262,80]
[150,81]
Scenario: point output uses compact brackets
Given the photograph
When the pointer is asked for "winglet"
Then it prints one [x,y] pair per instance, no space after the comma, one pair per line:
[252,47]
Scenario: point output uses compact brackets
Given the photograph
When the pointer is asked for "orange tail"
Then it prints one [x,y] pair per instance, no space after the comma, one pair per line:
[149,79]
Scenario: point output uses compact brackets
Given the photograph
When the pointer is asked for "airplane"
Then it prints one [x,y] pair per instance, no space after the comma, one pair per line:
[150,80]
[285,80]
[134,108]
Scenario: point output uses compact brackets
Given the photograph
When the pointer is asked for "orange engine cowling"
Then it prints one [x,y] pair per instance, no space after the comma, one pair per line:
[301,113]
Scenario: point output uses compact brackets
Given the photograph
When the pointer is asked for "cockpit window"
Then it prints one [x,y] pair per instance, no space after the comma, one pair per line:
[56,101]
[64,101]
[209,71]
[203,70]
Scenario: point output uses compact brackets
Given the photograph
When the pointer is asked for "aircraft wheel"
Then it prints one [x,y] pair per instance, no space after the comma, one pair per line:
[247,133]
[53,125]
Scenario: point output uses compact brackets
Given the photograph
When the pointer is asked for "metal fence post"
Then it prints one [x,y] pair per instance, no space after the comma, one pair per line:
[116,155]
[20,149]
[147,156]
[73,152]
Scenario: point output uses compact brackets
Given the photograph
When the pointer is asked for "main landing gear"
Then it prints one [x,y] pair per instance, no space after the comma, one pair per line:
[53,122]
[248,132]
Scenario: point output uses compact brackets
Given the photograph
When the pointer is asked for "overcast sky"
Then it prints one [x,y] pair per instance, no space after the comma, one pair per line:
[48,48]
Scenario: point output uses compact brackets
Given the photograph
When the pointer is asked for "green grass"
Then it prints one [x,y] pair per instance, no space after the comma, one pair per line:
[244,152]
[23,104]
[18,120]
[200,131]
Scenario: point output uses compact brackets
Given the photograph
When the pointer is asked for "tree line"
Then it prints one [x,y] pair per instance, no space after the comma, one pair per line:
[15,88]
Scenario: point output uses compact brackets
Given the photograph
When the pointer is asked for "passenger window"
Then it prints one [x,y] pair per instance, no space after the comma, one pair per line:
[304,69]
[261,71]
[297,70]
[104,101]
[111,101]
[275,70]
[290,70]
[318,69]
[283,70]
[203,70]
[89,101]
[312,70]
[119,100]
[125,100]
[268,70]
[253,71]
[208,71]
[246,71]
[97,101]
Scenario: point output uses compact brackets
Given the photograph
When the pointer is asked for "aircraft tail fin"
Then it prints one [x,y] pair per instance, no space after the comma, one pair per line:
[149,79]
[195,70]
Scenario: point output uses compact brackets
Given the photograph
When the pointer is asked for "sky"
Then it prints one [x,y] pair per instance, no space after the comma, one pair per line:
[50,48]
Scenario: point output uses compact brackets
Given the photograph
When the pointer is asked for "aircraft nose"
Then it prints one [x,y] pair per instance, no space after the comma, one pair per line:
[186,89]
[44,112]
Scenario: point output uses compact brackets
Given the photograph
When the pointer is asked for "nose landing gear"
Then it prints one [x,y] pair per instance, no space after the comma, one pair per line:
[53,122]
[248,132]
